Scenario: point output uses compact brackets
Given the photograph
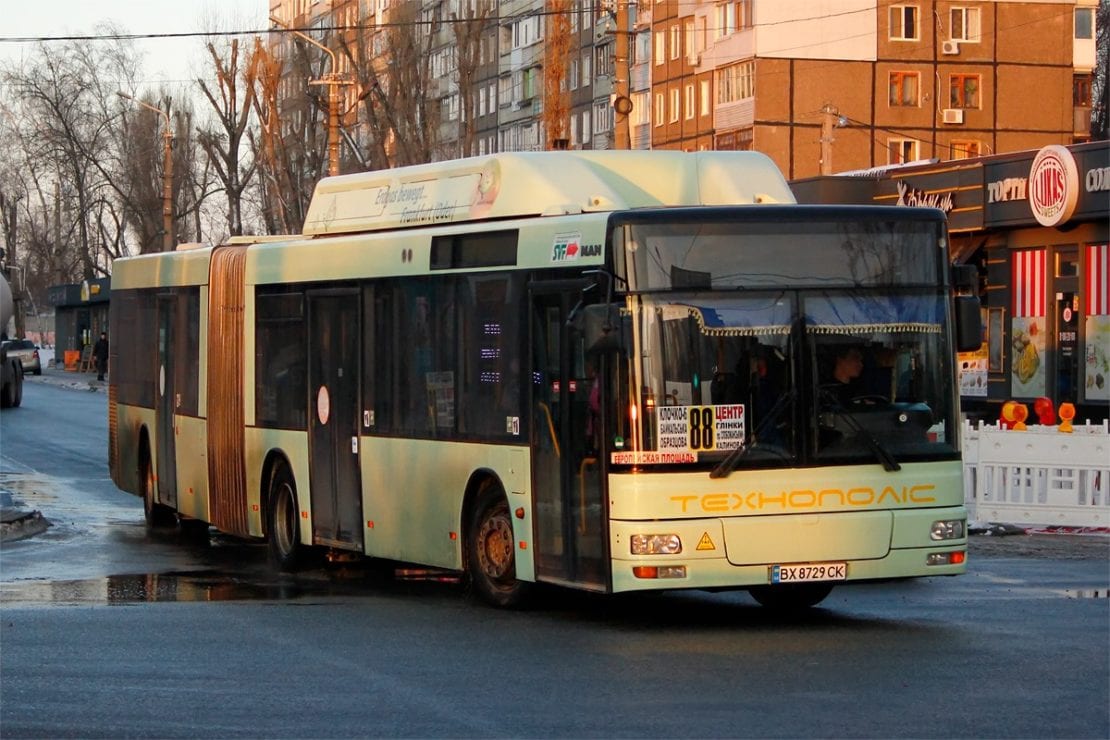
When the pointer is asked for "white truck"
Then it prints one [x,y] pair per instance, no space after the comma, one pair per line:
[11,368]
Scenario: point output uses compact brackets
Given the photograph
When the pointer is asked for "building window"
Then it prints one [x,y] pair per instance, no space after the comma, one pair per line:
[742,140]
[966,149]
[736,82]
[688,101]
[703,94]
[1085,23]
[904,88]
[641,49]
[586,74]
[726,19]
[674,105]
[901,151]
[731,17]
[641,110]
[660,48]
[1081,91]
[660,115]
[676,41]
[573,74]
[603,117]
[963,91]
[903,23]
[965,24]
[603,63]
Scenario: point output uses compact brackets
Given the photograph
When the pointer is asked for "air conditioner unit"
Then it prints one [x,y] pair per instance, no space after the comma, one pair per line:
[951,46]
[694,60]
[953,115]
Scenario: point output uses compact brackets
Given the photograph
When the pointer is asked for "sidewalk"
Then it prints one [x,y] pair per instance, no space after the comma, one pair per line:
[59,376]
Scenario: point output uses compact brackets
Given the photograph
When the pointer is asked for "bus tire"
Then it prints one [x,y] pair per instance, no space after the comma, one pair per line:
[491,551]
[283,527]
[791,596]
[158,516]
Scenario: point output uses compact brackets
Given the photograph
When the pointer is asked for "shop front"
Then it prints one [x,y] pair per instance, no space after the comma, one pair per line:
[80,314]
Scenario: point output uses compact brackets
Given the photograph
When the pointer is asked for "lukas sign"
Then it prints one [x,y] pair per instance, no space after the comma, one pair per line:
[1053,188]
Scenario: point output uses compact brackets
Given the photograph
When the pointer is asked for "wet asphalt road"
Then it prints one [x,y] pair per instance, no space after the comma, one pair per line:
[110,630]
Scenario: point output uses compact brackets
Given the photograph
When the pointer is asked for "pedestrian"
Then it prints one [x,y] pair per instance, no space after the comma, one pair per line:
[100,355]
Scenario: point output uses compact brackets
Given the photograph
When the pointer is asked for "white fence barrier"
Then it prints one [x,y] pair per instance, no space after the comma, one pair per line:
[1039,476]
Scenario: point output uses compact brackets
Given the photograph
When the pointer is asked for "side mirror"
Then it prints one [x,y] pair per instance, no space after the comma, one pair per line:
[969,327]
[602,327]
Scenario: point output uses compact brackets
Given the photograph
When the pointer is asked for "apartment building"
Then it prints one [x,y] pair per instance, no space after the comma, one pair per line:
[837,86]
[858,84]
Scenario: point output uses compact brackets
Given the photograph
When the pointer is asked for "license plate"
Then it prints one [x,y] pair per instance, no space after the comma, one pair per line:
[809,572]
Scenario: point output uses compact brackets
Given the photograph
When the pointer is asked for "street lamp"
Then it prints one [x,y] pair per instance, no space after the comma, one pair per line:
[333,80]
[167,174]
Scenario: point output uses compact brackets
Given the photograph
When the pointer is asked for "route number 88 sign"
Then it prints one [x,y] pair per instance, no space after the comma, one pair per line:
[699,428]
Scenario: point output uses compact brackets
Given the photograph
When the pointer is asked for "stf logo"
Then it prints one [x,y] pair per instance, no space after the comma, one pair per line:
[567,248]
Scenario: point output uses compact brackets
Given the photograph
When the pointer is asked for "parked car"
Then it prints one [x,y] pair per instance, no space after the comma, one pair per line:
[28,354]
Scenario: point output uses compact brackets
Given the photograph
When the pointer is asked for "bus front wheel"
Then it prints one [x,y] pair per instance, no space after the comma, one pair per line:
[491,557]
[283,521]
[791,596]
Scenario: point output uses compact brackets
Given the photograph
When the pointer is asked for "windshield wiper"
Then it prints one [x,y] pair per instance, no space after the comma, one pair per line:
[726,466]
[885,457]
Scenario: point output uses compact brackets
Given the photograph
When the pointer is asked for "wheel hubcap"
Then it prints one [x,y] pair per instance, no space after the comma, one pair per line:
[495,546]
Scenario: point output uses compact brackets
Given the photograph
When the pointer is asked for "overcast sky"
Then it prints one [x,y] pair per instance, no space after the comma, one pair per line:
[164,60]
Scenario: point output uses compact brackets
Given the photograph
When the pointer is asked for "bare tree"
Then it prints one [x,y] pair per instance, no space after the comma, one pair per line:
[556,95]
[289,144]
[1100,119]
[394,81]
[232,100]
[469,30]
[66,94]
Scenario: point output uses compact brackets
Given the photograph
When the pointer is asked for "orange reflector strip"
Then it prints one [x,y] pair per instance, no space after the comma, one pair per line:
[254,507]
[957,557]
[519,512]
[453,535]
[304,515]
[523,545]
[369,523]
[645,571]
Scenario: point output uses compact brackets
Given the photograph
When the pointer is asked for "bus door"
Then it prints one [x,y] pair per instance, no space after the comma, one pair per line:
[166,446]
[569,504]
[333,373]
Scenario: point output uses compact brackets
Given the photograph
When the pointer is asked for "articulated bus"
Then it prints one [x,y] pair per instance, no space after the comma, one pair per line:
[600,370]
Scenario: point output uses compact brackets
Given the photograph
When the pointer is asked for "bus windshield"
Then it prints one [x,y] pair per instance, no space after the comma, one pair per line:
[858,371]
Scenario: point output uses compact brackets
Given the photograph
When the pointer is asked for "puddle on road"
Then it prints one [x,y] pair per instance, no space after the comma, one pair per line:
[202,586]
[1087,593]
[145,588]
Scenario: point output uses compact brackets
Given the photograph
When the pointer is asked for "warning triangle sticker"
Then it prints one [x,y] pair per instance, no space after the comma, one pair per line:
[705,543]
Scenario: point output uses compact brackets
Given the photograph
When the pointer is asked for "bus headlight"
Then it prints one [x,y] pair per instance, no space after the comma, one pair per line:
[948,529]
[656,544]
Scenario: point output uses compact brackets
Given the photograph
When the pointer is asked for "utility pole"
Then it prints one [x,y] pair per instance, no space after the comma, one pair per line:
[622,104]
[829,115]
[333,80]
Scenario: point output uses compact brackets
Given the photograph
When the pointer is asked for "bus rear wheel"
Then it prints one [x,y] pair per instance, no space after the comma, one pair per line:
[283,521]
[491,556]
[791,596]
[157,515]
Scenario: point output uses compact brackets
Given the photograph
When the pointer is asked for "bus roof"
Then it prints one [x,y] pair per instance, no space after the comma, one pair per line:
[516,184]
